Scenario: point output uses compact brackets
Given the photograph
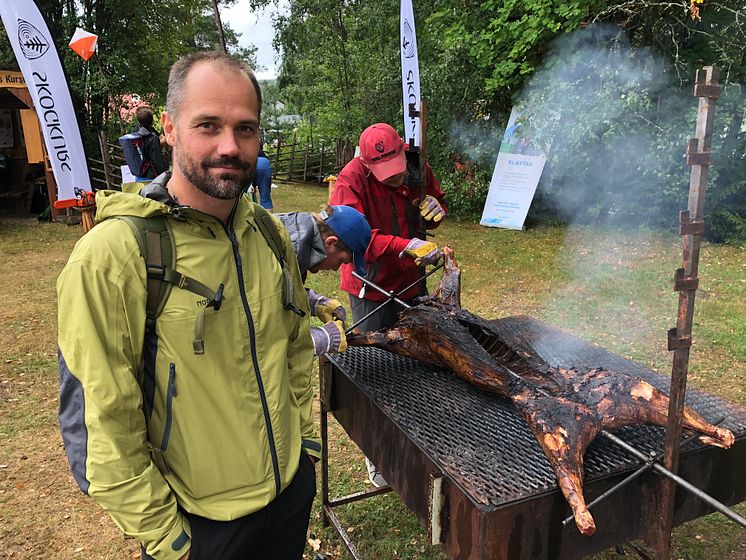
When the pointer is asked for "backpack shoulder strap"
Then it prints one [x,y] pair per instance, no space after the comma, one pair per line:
[156,247]
[268,229]
[156,244]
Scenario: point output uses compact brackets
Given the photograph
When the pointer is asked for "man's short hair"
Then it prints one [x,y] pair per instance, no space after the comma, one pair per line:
[144,116]
[181,68]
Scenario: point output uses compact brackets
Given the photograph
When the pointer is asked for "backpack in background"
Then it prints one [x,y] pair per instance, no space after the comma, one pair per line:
[135,149]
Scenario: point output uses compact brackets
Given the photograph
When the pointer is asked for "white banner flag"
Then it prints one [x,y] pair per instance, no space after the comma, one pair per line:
[410,74]
[42,70]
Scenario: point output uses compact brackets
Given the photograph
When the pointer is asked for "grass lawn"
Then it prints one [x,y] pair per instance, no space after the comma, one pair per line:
[612,288]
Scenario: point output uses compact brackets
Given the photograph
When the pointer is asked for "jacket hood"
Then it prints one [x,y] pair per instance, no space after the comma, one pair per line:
[306,239]
[115,203]
[152,200]
[144,131]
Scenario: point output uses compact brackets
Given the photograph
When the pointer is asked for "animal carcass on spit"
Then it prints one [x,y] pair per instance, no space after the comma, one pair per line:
[565,408]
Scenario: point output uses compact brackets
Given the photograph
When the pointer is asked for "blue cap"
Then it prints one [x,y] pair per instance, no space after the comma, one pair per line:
[353,230]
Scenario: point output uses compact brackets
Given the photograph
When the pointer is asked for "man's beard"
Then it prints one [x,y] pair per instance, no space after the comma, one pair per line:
[225,186]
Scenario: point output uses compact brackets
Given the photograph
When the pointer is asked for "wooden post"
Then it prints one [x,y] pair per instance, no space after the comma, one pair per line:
[691,227]
[279,143]
[276,166]
[292,160]
[305,163]
[87,218]
[51,185]
[102,142]
[321,164]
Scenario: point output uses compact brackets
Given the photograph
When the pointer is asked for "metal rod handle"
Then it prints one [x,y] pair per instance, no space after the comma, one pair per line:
[362,319]
[388,294]
[722,508]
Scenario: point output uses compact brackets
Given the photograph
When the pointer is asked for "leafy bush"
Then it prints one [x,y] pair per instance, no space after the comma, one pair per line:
[466,191]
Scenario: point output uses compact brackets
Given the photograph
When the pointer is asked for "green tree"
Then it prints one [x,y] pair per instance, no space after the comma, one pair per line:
[138,42]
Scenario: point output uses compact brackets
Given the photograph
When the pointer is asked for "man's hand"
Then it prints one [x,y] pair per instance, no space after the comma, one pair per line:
[329,338]
[431,210]
[330,309]
[326,309]
[186,556]
[423,252]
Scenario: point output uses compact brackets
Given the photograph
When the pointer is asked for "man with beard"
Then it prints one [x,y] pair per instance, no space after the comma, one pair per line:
[192,426]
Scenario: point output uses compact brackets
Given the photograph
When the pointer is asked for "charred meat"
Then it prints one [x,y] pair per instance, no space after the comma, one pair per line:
[565,408]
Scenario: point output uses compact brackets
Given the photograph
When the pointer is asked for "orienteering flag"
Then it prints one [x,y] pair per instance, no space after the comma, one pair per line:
[410,74]
[40,64]
[83,43]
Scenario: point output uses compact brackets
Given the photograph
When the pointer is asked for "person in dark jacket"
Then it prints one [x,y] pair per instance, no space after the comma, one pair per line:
[153,163]
[324,241]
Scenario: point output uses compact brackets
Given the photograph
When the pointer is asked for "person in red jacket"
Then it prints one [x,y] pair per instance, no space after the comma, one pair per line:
[374,183]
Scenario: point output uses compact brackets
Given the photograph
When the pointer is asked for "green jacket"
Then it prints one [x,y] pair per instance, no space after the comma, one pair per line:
[231,422]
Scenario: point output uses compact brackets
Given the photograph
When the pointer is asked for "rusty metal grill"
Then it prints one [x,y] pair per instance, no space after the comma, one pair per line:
[480,441]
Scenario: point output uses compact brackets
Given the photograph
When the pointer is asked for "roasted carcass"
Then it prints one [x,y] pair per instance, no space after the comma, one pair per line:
[565,408]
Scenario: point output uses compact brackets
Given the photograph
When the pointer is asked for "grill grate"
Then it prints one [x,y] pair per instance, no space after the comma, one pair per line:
[479,440]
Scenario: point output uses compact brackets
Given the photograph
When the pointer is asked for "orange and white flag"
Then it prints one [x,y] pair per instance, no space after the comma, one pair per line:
[83,43]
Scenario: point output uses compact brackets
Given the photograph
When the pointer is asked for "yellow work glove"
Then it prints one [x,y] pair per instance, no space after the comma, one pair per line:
[326,309]
[431,210]
[329,338]
[423,252]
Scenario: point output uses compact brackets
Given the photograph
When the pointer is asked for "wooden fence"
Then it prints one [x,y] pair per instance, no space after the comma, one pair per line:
[291,160]
[105,172]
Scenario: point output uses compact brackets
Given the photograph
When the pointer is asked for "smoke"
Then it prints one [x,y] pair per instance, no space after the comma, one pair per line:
[613,123]
[478,142]
[617,123]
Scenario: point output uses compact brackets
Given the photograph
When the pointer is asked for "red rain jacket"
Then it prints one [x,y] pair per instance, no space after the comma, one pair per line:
[393,217]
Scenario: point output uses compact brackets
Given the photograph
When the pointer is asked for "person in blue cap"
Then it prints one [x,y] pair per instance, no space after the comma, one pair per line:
[324,241]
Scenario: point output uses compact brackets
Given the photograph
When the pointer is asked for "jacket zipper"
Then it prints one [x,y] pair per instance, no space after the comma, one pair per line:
[170,394]
[254,359]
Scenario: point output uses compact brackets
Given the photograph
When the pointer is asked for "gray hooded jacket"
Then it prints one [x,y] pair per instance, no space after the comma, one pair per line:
[306,239]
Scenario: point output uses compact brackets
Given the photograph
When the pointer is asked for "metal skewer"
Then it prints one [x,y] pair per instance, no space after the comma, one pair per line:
[654,457]
[390,295]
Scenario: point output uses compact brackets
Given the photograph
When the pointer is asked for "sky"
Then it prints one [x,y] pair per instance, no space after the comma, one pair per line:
[256,29]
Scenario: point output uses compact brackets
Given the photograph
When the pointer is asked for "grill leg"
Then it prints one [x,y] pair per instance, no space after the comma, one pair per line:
[325,500]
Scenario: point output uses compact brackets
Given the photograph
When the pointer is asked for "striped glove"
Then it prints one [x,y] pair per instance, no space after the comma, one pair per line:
[431,210]
[423,252]
[326,309]
[329,338]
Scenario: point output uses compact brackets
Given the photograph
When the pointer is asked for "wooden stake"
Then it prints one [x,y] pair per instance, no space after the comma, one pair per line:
[86,218]
[691,227]
[102,143]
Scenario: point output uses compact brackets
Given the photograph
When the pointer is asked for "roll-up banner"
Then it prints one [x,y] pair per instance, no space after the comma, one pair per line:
[40,64]
[410,74]
[517,172]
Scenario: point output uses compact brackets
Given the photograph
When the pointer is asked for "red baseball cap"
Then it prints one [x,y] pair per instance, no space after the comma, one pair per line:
[382,151]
